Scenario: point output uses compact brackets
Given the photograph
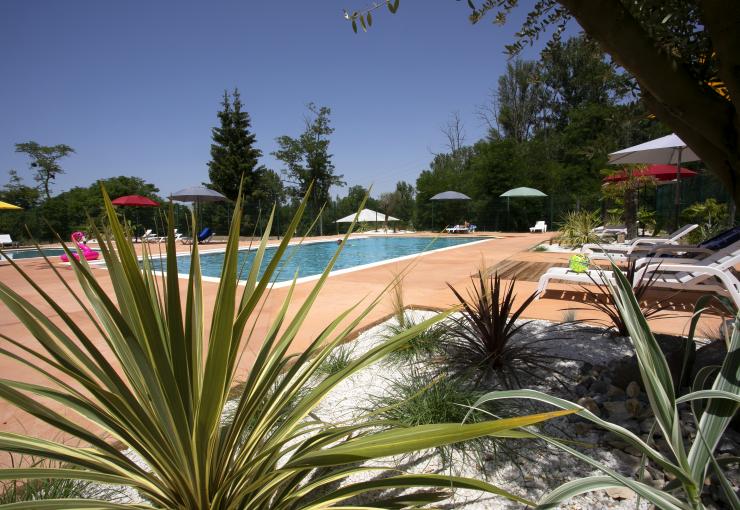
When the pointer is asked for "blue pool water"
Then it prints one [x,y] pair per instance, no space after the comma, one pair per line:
[311,259]
[31,253]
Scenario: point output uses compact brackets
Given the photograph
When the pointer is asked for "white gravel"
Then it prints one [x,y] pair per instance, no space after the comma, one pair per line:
[536,477]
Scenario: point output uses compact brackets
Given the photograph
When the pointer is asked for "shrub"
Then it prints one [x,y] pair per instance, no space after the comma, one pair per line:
[686,463]
[18,491]
[478,339]
[338,359]
[424,343]
[711,216]
[420,398]
[162,387]
[577,228]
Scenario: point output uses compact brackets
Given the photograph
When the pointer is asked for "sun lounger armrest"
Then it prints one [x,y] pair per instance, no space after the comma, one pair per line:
[673,248]
[647,260]
[681,268]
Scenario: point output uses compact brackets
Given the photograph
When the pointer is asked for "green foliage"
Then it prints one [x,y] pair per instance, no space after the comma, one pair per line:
[19,491]
[423,344]
[418,398]
[70,211]
[233,153]
[522,101]
[339,359]
[577,228]
[687,463]
[647,220]
[161,387]
[711,216]
[307,159]
[45,162]
[478,341]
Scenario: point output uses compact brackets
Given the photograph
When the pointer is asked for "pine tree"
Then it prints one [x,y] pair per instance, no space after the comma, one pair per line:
[233,153]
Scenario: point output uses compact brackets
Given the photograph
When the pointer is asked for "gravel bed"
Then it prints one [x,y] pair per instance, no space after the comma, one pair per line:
[532,478]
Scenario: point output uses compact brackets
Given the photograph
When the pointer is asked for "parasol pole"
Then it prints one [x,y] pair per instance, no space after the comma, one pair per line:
[678,187]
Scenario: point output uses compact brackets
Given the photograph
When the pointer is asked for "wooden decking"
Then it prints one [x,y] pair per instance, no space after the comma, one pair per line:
[523,270]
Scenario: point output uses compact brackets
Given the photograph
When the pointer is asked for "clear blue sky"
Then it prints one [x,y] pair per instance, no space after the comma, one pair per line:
[134,85]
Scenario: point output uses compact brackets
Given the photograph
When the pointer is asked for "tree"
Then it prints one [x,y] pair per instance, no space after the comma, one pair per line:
[577,74]
[454,131]
[307,159]
[233,154]
[44,159]
[520,101]
[683,56]
[17,193]
[351,203]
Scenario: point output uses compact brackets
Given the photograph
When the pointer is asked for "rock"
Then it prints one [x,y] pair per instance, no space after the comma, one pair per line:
[589,404]
[673,347]
[627,462]
[633,451]
[582,428]
[619,493]
[633,406]
[632,425]
[617,411]
[599,387]
[633,390]
[586,367]
[614,392]
[581,390]
[713,353]
[646,425]
[599,398]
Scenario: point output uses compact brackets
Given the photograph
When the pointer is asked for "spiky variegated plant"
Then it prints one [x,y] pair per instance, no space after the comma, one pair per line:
[688,466]
[161,392]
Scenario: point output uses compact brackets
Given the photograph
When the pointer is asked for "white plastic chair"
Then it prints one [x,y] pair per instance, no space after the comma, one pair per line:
[600,251]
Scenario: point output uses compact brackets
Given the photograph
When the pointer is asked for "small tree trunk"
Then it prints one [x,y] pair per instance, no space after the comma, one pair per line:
[630,211]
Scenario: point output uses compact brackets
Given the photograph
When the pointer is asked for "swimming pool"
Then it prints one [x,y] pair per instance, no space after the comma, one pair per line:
[310,259]
[32,253]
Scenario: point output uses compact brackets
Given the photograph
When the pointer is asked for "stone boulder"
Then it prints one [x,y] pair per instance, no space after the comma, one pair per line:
[626,370]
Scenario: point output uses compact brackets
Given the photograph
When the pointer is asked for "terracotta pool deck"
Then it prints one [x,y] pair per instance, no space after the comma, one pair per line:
[425,286]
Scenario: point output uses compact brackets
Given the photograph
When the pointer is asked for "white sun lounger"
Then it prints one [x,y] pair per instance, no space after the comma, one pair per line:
[5,239]
[540,226]
[673,275]
[700,255]
[602,251]
[696,276]
[564,273]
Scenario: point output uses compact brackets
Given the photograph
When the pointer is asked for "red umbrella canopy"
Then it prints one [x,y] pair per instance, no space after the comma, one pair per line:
[662,173]
[135,201]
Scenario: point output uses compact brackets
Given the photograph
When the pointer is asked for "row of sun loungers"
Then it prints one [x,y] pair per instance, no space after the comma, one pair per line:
[205,236]
[708,266]
[460,229]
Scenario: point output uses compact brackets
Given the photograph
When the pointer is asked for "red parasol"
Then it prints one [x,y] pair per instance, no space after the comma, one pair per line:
[663,173]
[135,201]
